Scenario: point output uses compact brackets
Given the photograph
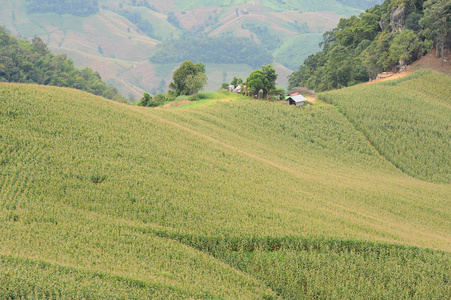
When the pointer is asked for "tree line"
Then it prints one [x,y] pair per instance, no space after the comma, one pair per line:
[361,47]
[25,62]
[226,50]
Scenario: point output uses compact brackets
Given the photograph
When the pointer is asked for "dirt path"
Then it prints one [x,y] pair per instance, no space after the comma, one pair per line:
[429,61]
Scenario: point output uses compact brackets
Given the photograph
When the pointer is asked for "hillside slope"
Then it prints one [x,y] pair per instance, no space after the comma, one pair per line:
[235,199]
[406,123]
[120,38]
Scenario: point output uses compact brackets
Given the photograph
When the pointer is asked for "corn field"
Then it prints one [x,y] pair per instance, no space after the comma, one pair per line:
[407,120]
[238,199]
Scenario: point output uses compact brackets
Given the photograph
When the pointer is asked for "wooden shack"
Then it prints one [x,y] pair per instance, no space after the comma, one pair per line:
[297,100]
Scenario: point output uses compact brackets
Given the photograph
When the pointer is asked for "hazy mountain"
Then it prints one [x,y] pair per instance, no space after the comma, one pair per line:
[136,44]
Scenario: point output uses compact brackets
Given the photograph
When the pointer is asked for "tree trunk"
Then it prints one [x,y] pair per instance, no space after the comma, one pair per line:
[443,53]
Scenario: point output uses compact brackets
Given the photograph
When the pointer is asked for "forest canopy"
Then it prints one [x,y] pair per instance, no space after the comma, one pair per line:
[225,50]
[383,38]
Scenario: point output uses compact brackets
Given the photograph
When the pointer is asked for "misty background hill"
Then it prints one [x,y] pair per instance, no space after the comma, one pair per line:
[136,44]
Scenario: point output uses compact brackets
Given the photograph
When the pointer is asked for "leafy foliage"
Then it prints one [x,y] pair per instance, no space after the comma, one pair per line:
[212,50]
[188,79]
[263,79]
[437,22]
[80,8]
[24,62]
[361,47]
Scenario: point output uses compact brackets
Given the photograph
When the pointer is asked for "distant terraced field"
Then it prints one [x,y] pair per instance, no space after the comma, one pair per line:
[239,198]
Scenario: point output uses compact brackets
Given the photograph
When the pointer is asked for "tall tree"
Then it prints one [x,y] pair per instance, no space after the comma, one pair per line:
[188,79]
[263,79]
[436,23]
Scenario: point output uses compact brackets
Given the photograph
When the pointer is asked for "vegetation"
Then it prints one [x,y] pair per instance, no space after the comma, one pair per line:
[236,81]
[408,125]
[25,62]
[437,23]
[280,202]
[144,25]
[212,50]
[268,40]
[188,79]
[263,79]
[361,47]
[80,8]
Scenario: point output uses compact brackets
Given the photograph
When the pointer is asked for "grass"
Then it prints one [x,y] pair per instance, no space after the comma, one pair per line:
[235,199]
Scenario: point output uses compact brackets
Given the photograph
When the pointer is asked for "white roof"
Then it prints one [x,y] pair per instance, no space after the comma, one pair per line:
[298,98]
[237,89]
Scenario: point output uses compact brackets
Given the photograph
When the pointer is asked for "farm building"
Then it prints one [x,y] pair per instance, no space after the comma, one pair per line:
[237,89]
[297,100]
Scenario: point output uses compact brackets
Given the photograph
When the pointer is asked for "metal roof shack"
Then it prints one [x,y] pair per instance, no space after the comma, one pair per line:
[297,100]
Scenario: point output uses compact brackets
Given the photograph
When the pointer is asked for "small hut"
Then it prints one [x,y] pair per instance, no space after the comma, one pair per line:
[297,100]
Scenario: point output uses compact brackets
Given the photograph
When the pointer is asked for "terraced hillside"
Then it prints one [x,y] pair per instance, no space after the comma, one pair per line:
[118,37]
[236,198]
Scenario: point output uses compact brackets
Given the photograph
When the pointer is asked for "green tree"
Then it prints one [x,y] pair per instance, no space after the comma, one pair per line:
[146,100]
[236,81]
[405,47]
[195,83]
[436,23]
[188,79]
[263,79]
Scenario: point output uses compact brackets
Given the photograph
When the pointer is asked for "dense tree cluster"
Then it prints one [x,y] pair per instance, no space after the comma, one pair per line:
[382,38]
[227,50]
[25,62]
[157,100]
[80,8]
[263,79]
[188,79]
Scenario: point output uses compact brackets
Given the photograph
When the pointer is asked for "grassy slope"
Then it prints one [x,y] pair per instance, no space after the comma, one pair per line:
[122,197]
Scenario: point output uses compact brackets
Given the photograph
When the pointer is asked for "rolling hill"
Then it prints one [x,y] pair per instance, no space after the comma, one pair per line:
[231,198]
[118,37]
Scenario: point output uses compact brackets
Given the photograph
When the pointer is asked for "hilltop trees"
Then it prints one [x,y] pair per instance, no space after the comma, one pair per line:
[383,38]
[24,62]
[188,79]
